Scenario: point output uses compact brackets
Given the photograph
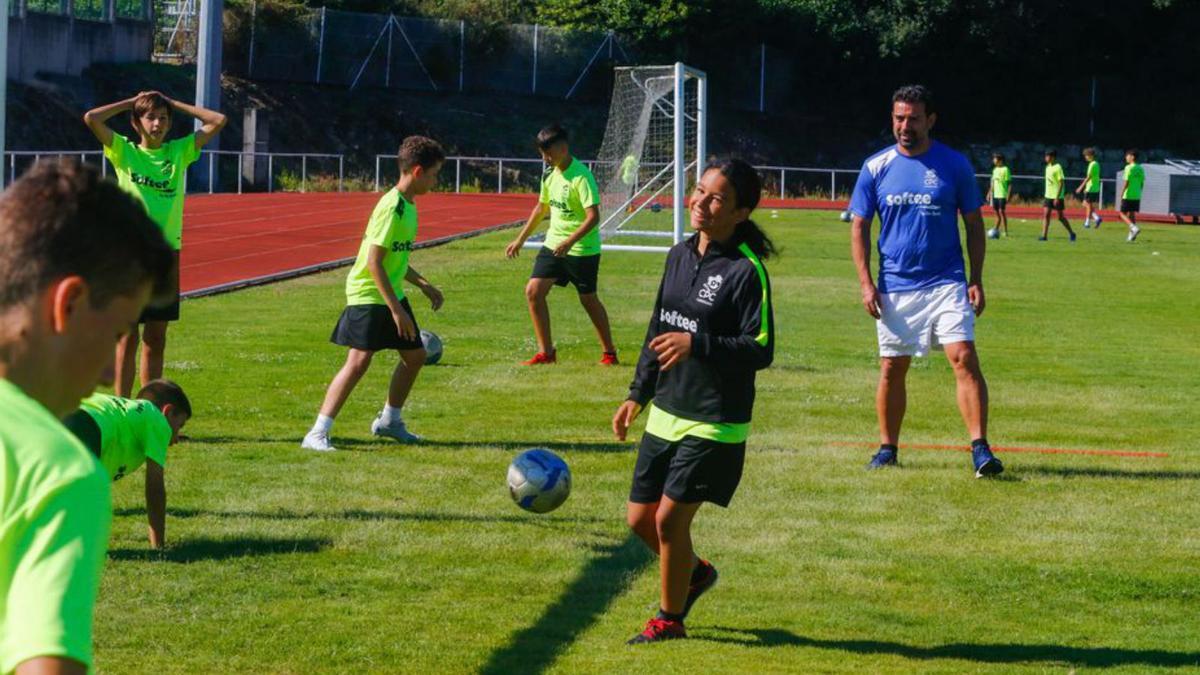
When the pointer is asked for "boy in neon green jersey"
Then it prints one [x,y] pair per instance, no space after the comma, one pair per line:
[377,315]
[1131,196]
[155,171]
[1089,190]
[571,251]
[1056,189]
[126,433]
[998,191]
[80,260]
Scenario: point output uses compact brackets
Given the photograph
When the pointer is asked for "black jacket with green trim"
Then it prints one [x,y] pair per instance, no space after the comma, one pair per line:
[723,300]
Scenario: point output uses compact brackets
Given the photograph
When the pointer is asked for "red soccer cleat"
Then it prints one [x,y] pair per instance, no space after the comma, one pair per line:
[658,630]
[609,359]
[541,359]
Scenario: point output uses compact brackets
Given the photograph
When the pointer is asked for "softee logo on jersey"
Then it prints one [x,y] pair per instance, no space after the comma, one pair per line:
[908,198]
[673,318]
[398,246]
[160,185]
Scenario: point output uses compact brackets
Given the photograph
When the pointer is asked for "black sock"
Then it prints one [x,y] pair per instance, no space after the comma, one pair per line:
[889,446]
[663,614]
[979,443]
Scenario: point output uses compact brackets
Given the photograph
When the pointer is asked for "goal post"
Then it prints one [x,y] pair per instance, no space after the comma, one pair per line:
[655,142]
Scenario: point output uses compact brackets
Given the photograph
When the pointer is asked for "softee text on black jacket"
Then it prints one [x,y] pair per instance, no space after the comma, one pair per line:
[724,300]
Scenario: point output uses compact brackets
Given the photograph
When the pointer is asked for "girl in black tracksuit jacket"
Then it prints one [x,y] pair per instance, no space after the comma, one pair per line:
[711,331]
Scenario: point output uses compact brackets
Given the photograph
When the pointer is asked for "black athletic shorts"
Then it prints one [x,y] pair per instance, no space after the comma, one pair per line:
[165,312]
[999,203]
[1091,197]
[371,328]
[85,429]
[1131,205]
[1056,204]
[581,270]
[689,470]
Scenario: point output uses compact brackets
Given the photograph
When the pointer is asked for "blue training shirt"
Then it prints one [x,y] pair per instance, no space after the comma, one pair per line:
[918,200]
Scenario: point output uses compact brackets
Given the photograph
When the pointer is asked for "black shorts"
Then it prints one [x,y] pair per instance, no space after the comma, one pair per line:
[1131,205]
[371,328]
[998,203]
[689,470]
[581,270]
[1091,197]
[1055,204]
[165,312]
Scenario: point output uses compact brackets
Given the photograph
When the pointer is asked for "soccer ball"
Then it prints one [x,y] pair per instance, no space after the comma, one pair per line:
[655,207]
[845,216]
[994,233]
[433,347]
[539,480]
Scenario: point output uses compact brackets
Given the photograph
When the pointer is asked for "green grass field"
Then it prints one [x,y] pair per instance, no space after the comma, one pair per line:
[383,558]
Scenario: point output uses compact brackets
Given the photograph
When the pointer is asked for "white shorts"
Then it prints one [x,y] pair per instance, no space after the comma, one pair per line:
[914,321]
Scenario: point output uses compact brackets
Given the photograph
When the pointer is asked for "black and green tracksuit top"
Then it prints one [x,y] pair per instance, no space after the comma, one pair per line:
[724,300]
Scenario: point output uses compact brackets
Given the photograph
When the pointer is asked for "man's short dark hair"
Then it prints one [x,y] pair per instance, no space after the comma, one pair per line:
[420,151]
[1051,152]
[162,392]
[550,135]
[914,94]
[1132,151]
[63,219]
[1089,151]
[998,155]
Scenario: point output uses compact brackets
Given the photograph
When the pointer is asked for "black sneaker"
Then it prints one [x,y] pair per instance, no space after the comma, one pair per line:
[658,630]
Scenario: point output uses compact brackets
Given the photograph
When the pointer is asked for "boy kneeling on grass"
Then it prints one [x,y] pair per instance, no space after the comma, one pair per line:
[125,433]
[377,315]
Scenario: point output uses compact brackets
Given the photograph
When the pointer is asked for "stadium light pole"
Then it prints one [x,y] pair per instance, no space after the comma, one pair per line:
[208,73]
[3,84]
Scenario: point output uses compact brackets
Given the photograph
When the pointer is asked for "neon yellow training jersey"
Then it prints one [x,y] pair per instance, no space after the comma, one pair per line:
[1055,188]
[1135,180]
[131,430]
[393,226]
[55,512]
[570,193]
[1093,177]
[156,177]
[1001,179]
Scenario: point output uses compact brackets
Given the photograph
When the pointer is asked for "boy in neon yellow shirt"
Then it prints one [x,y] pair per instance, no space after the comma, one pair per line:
[998,191]
[126,433]
[62,305]
[155,171]
[1089,190]
[571,250]
[1131,195]
[1056,190]
[377,315]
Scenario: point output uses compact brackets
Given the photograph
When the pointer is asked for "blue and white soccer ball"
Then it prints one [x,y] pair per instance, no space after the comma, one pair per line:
[994,233]
[539,480]
[433,346]
[845,216]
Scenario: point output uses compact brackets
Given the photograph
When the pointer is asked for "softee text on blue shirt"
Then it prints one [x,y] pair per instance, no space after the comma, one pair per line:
[918,200]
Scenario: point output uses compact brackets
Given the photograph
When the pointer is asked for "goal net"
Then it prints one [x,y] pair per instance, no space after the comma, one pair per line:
[649,156]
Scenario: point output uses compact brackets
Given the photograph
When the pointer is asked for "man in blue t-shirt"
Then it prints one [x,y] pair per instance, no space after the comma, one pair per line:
[918,187]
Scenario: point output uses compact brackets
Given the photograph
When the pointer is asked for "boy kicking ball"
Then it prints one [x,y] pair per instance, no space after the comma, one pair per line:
[126,433]
[377,315]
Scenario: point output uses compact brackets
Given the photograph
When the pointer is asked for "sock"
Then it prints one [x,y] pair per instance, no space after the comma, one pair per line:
[663,614]
[699,572]
[889,446]
[323,424]
[390,414]
[979,443]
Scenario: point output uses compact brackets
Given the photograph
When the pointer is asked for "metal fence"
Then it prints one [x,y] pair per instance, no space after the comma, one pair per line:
[226,170]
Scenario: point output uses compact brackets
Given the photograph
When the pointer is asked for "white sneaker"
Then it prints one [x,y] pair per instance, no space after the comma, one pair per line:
[1133,233]
[317,440]
[395,430]
[1097,220]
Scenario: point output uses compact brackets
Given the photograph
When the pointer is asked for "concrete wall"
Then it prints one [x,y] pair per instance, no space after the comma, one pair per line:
[64,45]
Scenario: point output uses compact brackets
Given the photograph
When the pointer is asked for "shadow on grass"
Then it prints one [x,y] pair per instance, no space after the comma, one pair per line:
[605,577]
[381,443]
[1090,472]
[195,550]
[1093,657]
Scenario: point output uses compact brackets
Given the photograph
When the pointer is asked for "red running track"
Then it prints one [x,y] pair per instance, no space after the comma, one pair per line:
[234,240]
